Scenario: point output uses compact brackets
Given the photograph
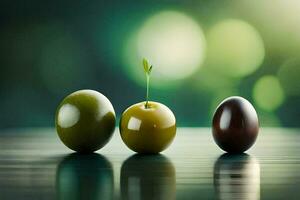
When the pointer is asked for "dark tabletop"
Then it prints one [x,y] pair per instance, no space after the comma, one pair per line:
[34,164]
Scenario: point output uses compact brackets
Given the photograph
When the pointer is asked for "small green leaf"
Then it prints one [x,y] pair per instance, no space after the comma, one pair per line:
[147,69]
[146,65]
[150,69]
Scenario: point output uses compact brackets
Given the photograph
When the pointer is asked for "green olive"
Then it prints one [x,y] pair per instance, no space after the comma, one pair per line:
[148,130]
[85,121]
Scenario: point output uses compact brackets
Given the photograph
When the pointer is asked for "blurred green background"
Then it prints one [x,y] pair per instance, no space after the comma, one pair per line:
[202,52]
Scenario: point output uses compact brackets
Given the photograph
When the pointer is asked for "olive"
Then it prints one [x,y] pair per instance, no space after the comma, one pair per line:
[235,125]
[148,129]
[85,121]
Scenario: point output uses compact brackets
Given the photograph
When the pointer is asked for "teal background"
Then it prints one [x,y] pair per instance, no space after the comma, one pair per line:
[49,49]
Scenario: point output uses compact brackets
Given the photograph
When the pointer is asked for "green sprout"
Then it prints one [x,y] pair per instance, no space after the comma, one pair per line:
[147,69]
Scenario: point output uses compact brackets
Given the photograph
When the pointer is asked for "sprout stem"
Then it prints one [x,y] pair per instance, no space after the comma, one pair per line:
[147,95]
[147,70]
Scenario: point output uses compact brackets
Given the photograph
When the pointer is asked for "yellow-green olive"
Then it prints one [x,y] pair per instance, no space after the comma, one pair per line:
[85,121]
[148,130]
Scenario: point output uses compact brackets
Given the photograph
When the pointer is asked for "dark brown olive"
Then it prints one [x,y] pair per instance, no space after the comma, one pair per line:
[235,125]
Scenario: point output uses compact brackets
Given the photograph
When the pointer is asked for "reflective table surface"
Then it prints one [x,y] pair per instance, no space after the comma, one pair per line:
[34,164]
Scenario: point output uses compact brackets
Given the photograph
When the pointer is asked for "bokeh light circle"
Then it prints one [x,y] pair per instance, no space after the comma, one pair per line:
[278,21]
[172,42]
[235,48]
[289,76]
[268,93]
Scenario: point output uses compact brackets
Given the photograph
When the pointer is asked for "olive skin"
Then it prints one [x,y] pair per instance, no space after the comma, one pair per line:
[235,125]
[85,121]
[148,130]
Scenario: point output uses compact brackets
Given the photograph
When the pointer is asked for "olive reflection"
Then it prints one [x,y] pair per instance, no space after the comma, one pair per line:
[148,177]
[237,177]
[84,176]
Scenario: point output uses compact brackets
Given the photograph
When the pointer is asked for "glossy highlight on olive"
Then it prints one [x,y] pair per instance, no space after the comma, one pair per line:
[235,125]
[148,130]
[85,121]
